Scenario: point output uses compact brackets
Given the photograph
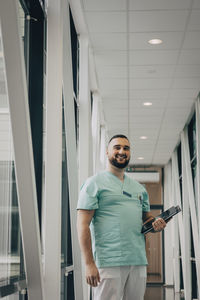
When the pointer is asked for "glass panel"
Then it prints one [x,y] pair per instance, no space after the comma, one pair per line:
[75,70]
[75,55]
[66,228]
[179,160]
[181,273]
[194,280]
[11,259]
[192,137]
[67,285]
[194,178]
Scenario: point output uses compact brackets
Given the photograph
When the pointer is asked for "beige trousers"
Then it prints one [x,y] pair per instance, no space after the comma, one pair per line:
[121,283]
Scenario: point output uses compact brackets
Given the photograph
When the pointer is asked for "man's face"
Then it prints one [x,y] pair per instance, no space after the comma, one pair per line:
[118,152]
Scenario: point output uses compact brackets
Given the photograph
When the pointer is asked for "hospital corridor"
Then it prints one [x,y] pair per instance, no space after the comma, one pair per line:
[100,149]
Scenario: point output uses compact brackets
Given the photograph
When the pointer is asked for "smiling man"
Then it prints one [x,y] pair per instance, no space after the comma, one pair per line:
[111,210]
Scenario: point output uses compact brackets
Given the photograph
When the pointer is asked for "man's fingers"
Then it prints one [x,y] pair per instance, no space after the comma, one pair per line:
[88,280]
[93,280]
[92,275]
[159,224]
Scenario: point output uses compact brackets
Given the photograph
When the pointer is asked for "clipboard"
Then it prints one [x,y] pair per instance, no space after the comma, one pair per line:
[165,215]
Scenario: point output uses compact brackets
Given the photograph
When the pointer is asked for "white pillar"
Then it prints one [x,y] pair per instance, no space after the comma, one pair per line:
[103,145]
[22,142]
[85,135]
[175,178]
[168,230]
[96,125]
[53,162]
[175,242]
[186,221]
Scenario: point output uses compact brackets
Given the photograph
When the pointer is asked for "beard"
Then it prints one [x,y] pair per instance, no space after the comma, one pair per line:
[116,163]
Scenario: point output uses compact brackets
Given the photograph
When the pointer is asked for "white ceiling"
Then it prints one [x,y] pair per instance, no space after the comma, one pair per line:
[130,71]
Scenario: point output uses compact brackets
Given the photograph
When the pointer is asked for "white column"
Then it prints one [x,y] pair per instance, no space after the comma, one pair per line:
[20,123]
[72,166]
[53,171]
[168,230]
[186,276]
[186,220]
[85,136]
[96,125]
[175,243]
[103,141]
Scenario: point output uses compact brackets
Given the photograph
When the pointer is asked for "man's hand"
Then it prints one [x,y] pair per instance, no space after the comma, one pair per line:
[159,224]
[92,274]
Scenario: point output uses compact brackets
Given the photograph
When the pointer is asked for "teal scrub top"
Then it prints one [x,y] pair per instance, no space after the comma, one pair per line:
[116,226]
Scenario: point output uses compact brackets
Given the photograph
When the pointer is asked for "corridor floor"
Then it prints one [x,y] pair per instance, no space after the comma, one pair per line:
[161,293]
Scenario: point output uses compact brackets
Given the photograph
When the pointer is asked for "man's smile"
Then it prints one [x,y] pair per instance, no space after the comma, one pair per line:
[121,157]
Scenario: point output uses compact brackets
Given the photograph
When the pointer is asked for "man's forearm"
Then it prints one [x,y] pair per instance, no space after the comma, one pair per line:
[83,223]
[85,243]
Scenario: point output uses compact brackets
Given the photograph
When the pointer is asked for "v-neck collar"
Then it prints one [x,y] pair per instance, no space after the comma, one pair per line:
[117,178]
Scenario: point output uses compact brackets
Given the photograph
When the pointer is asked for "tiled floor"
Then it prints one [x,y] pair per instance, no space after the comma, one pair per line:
[161,293]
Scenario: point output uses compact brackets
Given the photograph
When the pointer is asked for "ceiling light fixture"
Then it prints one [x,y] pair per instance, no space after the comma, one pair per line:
[140,157]
[147,103]
[143,137]
[155,41]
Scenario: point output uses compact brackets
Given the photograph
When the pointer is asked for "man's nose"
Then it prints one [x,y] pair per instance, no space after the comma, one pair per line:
[121,151]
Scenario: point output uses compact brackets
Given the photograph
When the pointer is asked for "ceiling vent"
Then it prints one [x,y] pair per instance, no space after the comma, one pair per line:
[141,176]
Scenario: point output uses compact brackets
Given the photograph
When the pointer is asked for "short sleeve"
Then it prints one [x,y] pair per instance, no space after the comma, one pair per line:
[145,203]
[88,197]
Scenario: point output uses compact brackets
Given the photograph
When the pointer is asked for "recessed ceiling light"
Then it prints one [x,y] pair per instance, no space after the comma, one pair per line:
[143,137]
[140,157]
[147,103]
[155,41]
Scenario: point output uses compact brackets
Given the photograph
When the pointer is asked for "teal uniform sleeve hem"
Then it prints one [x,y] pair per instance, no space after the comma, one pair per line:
[87,208]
